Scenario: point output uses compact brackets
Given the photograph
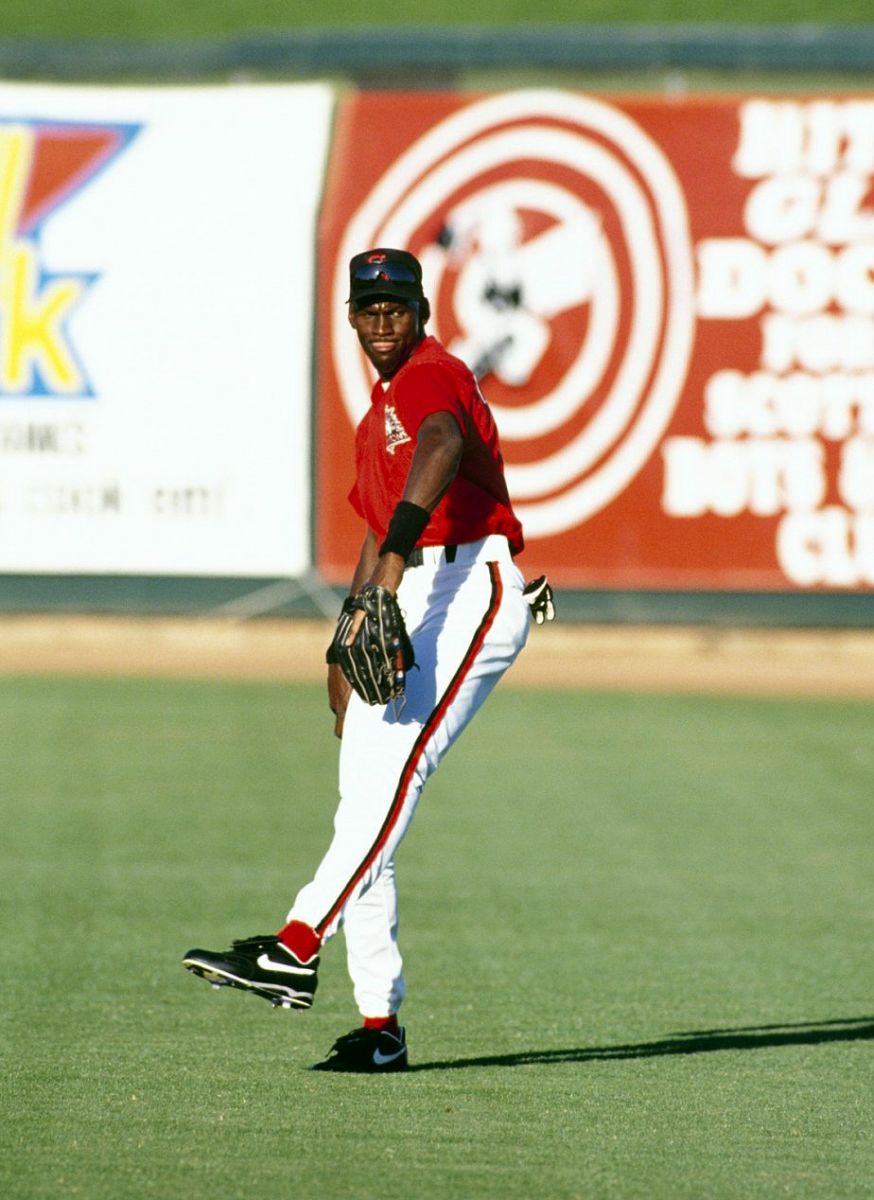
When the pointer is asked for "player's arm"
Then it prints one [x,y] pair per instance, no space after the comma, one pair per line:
[439,446]
[435,460]
[338,686]
[366,562]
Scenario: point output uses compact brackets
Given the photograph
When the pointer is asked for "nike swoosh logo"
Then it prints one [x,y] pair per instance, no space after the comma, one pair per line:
[381,1059]
[266,963]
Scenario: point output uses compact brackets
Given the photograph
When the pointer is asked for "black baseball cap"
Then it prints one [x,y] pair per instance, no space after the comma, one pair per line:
[384,273]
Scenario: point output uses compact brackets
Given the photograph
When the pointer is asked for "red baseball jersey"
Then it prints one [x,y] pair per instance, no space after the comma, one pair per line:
[477,502]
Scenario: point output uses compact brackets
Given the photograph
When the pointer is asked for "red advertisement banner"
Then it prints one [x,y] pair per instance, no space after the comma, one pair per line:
[670,307]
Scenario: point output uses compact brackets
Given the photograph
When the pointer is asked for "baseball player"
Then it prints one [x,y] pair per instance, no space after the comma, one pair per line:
[435,577]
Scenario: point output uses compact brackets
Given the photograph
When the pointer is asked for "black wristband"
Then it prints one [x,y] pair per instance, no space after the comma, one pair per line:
[405,529]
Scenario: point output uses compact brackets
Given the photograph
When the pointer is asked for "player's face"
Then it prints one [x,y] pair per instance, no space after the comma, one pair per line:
[388,330]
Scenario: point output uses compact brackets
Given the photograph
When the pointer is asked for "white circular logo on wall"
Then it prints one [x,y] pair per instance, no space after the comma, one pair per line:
[554,240]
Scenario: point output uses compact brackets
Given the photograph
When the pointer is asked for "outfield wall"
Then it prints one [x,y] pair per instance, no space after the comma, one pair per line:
[669,303]
[439,56]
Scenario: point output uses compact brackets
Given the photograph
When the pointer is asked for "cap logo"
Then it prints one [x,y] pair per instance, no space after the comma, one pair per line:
[376,258]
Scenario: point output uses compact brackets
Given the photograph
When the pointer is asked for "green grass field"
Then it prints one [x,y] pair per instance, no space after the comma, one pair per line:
[638,934]
[168,18]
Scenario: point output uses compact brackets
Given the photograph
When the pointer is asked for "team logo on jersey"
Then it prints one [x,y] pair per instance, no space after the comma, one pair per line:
[43,165]
[395,434]
[554,240]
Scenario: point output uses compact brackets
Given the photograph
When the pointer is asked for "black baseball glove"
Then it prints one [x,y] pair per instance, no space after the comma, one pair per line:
[377,661]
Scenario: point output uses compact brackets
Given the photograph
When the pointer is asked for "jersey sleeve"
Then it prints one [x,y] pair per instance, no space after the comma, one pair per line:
[428,388]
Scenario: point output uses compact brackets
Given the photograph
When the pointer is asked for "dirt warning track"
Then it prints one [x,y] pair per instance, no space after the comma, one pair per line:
[632,658]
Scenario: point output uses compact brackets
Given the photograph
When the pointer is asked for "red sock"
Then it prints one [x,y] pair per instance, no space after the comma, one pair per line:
[301,940]
[390,1024]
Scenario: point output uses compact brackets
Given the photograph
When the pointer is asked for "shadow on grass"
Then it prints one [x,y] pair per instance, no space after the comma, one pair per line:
[695,1041]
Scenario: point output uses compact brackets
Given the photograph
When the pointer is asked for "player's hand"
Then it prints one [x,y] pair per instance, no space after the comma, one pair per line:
[388,572]
[339,692]
[371,645]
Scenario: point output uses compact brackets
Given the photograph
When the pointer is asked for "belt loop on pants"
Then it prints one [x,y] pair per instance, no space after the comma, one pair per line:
[417,557]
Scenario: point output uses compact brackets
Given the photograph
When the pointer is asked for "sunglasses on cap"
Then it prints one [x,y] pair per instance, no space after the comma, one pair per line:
[384,272]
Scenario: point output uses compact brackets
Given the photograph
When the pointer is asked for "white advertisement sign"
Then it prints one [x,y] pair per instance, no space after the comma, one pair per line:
[156,293]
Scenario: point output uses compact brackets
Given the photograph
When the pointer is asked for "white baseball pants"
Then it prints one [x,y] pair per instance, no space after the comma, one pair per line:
[467,621]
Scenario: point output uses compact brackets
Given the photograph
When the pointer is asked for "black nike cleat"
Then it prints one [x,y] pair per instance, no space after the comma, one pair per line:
[262,965]
[367,1051]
